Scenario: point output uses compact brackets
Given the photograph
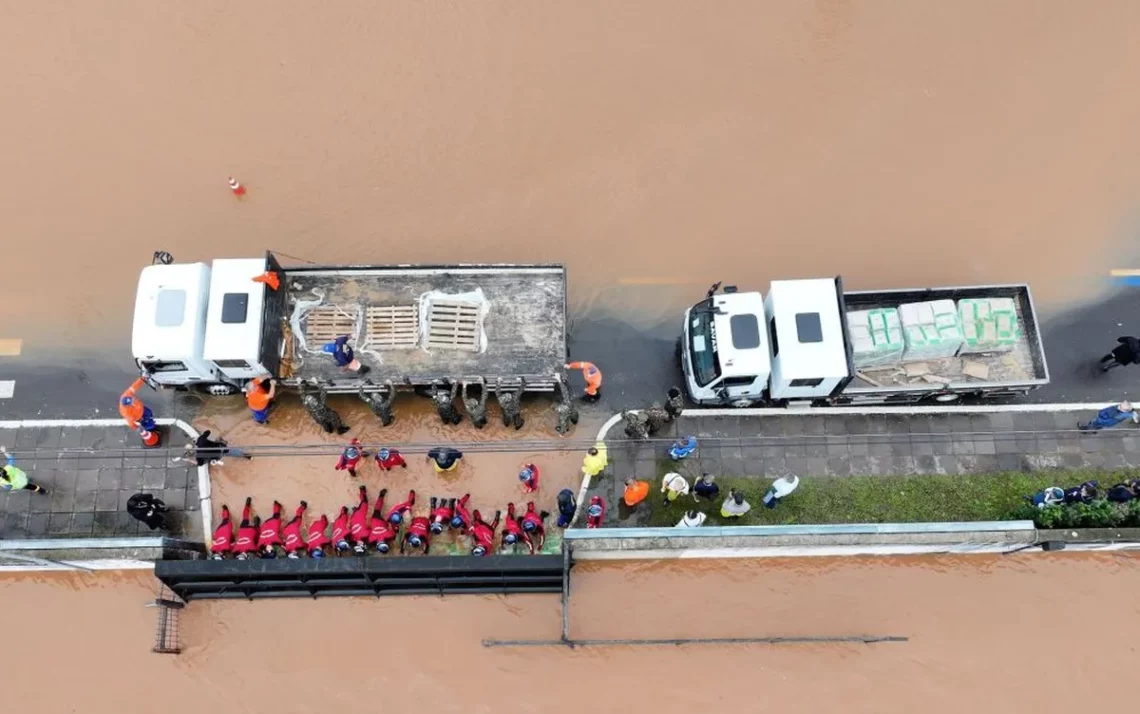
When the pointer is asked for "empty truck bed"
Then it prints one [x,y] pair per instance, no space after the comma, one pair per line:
[435,322]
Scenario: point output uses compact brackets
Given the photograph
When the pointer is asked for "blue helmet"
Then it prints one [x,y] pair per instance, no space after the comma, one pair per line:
[395,519]
[415,540]
[316,553]
[526,474]
[528,526]
[478,550]
[594,510]
[436,527]
[456,522]
[383,547]
[510,538]
[383,454]
[342,546]
[127,401]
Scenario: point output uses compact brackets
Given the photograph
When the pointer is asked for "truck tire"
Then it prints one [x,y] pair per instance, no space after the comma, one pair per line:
[220,390]
[947,398]
[742,403]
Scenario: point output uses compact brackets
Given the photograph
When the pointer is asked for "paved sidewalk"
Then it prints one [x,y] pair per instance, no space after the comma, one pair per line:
[844,444]
[90,472]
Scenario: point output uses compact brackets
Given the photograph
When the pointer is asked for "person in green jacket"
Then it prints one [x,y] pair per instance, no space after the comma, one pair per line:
[14,479]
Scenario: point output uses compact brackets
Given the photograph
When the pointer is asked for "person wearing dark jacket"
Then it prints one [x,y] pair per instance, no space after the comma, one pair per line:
[148,509]
[1124,492]
[1127,352]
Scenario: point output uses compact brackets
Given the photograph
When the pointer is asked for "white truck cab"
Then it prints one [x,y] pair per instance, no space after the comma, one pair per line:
[235,317]
[724,349]
[808,339]
[169,328]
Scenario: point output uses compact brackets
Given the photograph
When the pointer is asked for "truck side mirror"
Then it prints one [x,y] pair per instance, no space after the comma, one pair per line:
[713,289]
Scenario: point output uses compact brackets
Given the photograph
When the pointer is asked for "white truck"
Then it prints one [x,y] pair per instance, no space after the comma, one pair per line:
[213,327]
[808,342]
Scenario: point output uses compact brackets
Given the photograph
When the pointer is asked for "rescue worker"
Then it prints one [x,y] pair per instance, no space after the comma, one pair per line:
[388,459]
[317,537]
[148,509]
[483,534]
[416,535]
[683,448]
[350,457]
[270,536]
[635,492]
[563,408]
[674,403]
[674,485]
[223,540]
[476,408]
[358,525]
[259,397]
[380,402]
[636,425]
[442,511]
[445,402]
[596,460]
[528,476]
[324,415]
[13,478]
[400,512]
[381,533]
[293,540]
[510,402]
[596,512]
[534,527]
[345,359]
[340,532]
[655,418]
[566,507]
[593,377]
[461,520]
[248,531]
[135,413]
[512,528]
[444,458]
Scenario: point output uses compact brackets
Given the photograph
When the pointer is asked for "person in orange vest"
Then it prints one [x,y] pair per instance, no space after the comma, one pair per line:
[137,415]
[593,377]
[259,394]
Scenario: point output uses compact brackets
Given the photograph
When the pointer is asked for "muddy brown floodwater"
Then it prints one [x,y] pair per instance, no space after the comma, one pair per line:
[986,634]
[644,143]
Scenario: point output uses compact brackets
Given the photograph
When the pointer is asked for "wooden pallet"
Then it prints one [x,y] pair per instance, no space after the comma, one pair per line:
[325,324]
[389,327]
[453,325]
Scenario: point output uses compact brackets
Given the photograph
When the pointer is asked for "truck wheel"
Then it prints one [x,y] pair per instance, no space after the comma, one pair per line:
[741,403]
[947,398]
[220,390]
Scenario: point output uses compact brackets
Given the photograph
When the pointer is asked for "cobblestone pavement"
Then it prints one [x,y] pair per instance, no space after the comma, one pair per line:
[839,445]
[90,472]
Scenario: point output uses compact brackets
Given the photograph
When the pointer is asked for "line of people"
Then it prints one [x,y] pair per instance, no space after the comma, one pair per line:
[370,526]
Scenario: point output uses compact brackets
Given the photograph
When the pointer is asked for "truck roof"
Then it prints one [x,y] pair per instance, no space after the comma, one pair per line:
[504,321]
[809,332]
[169,320]
[741,334]
[233,319]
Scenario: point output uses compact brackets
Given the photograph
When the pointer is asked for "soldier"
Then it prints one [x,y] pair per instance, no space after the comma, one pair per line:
[636,425]
[325,416]
[509,402]
[476,408]
[564,408]
[656,417]
[674,404]
[381,403]
[445,402]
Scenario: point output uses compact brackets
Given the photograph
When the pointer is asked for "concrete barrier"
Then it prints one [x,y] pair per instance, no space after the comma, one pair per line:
[794,541]
[127,553]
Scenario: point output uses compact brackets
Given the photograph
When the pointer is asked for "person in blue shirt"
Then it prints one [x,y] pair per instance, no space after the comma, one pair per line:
[344,356]
[683,448]
[1110,417]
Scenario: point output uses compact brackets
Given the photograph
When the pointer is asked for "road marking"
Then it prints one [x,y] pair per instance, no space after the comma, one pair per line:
[11,347]
[7,388]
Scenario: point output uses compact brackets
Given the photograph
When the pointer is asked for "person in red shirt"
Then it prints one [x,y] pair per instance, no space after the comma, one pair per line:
[534,527]
[528,475]
[461,521]
[293,540]
[350,457]
[223,541]
[595,512]
[512,531]
[381,532]
[270,536]
[483,534]
[317,539]
[340,532]
[248,532]
[403,510]
[388,459]
[358,523]
[442,511]
[416,535]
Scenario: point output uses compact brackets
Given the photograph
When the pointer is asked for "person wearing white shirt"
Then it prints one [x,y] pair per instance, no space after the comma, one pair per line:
[780,488]
[674,486]
[692,519]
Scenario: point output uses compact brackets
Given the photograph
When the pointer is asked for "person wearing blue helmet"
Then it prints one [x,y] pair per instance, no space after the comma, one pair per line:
[534,527]
[528,476]
[345,359]
[461,518]
[442,511]
[416,535]
[402,511]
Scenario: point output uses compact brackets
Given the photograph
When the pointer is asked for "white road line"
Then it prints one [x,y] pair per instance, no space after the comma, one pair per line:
[7,388]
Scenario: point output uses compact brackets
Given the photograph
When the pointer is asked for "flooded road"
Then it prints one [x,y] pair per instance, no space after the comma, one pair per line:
[654,147]
[986,634]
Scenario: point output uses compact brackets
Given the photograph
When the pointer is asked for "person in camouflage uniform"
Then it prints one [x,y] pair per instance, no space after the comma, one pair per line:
[444,401]
[636,425]
[476,408]
[564,408]
[656,417]
[325,416]
[381,403]
[510,402]
[675,404]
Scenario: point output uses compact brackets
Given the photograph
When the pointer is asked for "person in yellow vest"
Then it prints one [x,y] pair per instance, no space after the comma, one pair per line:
[14,479]
[596,460]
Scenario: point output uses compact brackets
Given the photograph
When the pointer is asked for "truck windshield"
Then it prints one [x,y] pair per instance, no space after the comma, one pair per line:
[702,344]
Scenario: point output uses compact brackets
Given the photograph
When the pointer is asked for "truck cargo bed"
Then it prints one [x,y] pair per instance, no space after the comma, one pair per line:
[418,324]
[1021,367]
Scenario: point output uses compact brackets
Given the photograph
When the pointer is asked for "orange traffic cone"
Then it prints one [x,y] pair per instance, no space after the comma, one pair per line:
[149,438]
[236,187]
